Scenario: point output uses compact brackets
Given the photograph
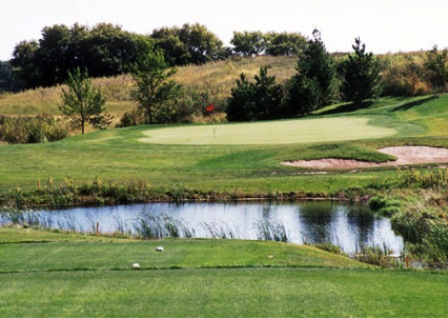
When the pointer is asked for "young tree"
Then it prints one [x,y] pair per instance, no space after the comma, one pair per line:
[154,83]
[259,100]
[241,105]
[268,95]
[82,102]
[362,78]
[436,67]
[313,85]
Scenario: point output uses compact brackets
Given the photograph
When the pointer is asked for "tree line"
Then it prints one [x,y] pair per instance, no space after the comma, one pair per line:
[108,50]
[359,77]
[317,83]
[73,55]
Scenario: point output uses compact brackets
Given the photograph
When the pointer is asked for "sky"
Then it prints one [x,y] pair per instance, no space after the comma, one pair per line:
[383,25]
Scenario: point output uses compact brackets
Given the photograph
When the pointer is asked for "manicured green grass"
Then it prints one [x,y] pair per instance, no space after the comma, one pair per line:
[28,235]
[211,278]
[119,156]
[273,132]
[94,255]
[242,292]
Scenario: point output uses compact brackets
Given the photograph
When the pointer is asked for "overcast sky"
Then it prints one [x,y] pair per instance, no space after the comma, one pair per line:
[384,25]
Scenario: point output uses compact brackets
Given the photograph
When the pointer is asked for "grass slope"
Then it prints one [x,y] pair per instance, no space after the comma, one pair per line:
[215,79]
[118,155]
[218,278]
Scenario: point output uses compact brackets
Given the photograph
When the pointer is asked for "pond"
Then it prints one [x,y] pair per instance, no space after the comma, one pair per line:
[347,226]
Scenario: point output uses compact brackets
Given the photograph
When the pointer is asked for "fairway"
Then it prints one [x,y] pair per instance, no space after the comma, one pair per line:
[272,132]
[87,276]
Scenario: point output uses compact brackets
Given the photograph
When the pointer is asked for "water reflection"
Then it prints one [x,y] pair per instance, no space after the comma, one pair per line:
[310,222]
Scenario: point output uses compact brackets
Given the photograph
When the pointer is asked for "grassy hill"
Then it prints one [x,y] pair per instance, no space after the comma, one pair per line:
[58,274]
[216,79]
[120,156]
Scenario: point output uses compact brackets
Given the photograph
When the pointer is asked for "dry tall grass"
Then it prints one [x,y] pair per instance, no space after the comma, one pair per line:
[215,79]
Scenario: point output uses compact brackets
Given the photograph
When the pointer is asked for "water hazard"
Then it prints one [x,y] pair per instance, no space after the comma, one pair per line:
[348,226]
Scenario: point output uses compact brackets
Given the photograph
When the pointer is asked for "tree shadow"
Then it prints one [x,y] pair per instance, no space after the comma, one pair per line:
[415,103]
[351,107]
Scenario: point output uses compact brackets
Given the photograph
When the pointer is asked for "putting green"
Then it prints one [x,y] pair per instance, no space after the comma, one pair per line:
[272,132]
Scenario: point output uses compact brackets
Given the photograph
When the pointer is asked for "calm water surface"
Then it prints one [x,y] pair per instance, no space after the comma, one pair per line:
[348,226]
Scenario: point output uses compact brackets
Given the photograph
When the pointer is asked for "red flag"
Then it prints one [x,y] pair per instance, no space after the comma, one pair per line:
[210,108]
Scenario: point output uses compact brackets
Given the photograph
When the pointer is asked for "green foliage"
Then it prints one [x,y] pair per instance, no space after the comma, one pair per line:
[175,51]
[403,75]
[248,43]
[24,63]
[154,83]
[135,117]
[83,103]
[386,206]
[259,100]
[433,179]
[314,84]
[436,67]
[361,75]
[425,233]
[284,44]
[105,50]
[189,44]
[31,129]
[8,83]
[241,106]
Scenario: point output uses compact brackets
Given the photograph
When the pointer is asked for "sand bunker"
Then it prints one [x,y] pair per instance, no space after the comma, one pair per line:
[406,155]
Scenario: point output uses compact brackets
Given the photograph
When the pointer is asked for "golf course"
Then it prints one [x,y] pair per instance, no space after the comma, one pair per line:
[48,274]
[54,273]
[389,154]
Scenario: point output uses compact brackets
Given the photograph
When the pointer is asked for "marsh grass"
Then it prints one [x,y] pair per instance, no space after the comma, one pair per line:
[272,230]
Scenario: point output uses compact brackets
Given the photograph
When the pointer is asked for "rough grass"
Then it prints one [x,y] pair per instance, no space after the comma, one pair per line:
[216,79]
[118,156]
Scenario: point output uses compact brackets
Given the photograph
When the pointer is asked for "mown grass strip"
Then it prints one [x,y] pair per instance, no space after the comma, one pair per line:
[243,292]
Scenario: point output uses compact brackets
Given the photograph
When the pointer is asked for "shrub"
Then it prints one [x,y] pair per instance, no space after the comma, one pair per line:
[36,129]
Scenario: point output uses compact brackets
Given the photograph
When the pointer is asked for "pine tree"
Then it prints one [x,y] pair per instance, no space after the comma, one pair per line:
[259,100]
[241,104]
[313,85]
[362,78]
[154,83]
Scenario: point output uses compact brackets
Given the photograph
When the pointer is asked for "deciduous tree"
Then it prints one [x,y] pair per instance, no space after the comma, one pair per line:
[248,43]
[83,103]
[153,78]
[436,67]
[284,44]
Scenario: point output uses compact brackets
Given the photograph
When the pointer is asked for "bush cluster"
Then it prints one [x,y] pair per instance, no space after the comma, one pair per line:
[21,130]
[188,107]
